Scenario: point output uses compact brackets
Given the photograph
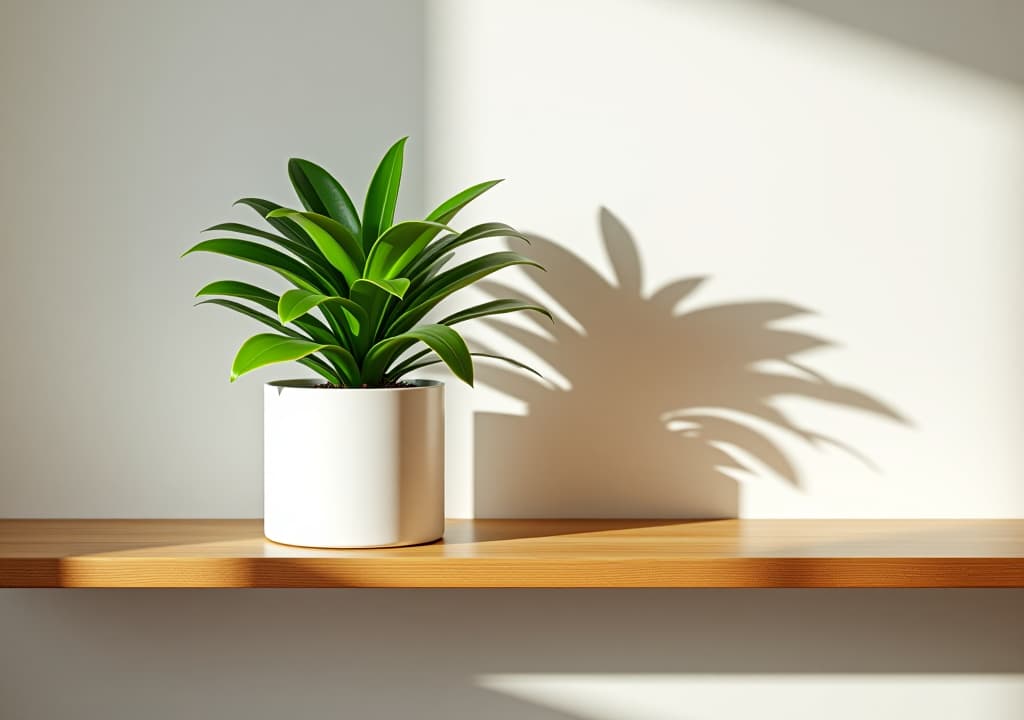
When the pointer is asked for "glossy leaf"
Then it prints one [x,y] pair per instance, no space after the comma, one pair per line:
[444,341]
[405,369]
[321,193]
[286,266]
[396,287]
[295,303]
[493,307]
[434,252]
[448,282]
[435,268]
[304,251]
[267,349]
[244,230]
[371,280]
[267,320]
[375,302]
[447,210]
[336,252]
[398,246]
[232,288]
[382,195]
[283,225]
[312,362]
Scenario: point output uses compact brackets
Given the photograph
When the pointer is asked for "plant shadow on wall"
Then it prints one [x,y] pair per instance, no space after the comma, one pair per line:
[663,406]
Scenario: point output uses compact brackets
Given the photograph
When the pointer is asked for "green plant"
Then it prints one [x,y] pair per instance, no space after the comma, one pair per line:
[372,281]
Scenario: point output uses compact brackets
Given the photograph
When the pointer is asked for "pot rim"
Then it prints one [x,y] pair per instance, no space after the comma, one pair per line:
[313,383]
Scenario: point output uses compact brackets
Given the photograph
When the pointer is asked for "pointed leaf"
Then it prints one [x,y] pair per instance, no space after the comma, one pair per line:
[450,207]
[232,288]
[267,320]
[243,229]
[447,343]
[375,302]
[283,225]
[267,349]
[312,362]
[422,265]
[408,367]
[398,246]
[286,266]
[494,307]
[382,195]
[304,251]
[295,303]
[502,290]
[349,242]
[321,368]
[336,252]
[321,193]
[435,268]
[510,361]
[396,287]
[448,282]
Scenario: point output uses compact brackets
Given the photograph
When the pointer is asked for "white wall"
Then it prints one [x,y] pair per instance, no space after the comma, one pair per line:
[859,164]
[867,168]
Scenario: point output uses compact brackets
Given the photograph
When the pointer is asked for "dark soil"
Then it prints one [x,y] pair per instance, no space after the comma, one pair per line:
[399,384]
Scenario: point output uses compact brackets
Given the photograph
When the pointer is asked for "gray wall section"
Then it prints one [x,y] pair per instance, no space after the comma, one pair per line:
[388,654]
[126,128]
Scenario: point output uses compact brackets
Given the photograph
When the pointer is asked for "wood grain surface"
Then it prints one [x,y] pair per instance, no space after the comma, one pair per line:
[524,553]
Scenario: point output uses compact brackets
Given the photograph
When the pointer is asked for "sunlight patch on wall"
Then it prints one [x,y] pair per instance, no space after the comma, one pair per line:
[767,697]
[784,158]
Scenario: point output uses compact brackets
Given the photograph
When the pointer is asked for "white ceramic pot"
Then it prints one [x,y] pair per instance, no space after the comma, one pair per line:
[353,467]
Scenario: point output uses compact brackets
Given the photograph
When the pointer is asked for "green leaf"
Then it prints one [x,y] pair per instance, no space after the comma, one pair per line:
[408,367]
[382,195]
[267,320]
[447,343]
[434,268]
[321,193]
[521,366]
[321,368]
[243,229]
[433,253]
[305,251]
[375,302]
[348,241]
[267,349]
[341,253]
[313,363]
[396,287]
[493,307]
[232,288]
[286,266]
[407,363]
[448,282]
[295,303]
[450,207]
[284,226]
[398,246]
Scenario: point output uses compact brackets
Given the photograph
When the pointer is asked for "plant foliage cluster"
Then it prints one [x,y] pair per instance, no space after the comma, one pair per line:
[363,284]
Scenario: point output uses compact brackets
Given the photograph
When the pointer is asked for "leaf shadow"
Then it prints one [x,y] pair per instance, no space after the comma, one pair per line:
[664,407]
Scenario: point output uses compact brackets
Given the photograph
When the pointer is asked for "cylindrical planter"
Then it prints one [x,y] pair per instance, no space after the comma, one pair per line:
[359,467]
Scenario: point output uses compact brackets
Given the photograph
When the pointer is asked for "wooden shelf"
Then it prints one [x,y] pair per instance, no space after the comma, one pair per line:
[524,553]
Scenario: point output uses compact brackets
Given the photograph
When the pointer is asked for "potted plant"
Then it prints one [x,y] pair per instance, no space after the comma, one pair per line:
[356,458]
